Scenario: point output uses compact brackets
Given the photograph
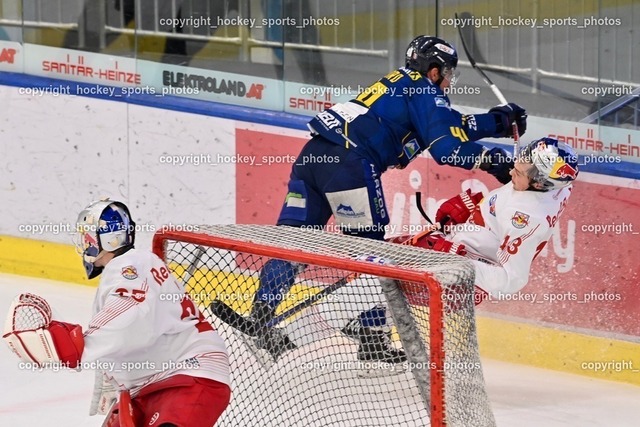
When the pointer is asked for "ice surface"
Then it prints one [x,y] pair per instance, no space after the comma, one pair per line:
[521,396]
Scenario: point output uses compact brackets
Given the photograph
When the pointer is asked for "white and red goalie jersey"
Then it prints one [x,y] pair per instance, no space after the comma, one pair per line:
[145,328]
[505,232]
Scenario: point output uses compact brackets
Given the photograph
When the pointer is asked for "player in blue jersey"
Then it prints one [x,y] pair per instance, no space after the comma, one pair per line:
[338,171]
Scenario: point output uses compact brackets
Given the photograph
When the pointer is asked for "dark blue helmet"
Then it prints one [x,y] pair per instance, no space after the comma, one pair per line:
[426,52]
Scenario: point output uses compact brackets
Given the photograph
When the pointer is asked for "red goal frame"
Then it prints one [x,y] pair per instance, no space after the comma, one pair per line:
[436,306]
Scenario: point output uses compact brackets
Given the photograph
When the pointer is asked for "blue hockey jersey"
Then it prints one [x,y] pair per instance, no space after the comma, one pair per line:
[401,115]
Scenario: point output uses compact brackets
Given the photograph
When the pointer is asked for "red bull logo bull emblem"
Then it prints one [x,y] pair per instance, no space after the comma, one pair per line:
[129,272]
[520,220]
[562,170]
[88,241]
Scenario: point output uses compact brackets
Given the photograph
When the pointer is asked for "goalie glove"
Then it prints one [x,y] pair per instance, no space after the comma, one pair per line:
[458,208]
[34,337]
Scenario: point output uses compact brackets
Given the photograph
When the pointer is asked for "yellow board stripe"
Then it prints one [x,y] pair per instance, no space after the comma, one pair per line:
[37,258]
[236,290]
[559,349]
[500,339]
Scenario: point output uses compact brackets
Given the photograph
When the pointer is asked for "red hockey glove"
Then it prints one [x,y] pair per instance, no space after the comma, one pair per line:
[440,244]
[431,240]
[458,208]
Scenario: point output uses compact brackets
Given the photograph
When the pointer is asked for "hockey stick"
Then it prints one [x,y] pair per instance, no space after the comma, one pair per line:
[439,225]
[249,327]
[421,209]
[496,91]
[197,257]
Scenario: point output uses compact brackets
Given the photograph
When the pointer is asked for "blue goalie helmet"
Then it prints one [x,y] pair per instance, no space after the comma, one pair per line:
[555,163]
[104,225]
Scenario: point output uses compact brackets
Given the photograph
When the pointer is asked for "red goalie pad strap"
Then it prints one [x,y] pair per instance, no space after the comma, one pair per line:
[68,340]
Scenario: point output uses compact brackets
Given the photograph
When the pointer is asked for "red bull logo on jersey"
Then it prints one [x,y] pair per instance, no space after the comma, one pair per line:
[129,272]
[561,170]
[520,220]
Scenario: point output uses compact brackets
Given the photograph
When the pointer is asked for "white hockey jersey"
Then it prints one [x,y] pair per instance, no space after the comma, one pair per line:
[505,232]
[145,329]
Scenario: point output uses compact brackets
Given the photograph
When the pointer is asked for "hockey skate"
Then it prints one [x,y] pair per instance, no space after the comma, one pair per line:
[376,351]
[266,343]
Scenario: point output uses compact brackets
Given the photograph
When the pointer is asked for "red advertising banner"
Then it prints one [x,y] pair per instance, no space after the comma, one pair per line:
[11,57]
[587,277]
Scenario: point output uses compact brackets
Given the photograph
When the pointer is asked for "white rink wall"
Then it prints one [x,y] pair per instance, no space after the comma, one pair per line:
[61,152]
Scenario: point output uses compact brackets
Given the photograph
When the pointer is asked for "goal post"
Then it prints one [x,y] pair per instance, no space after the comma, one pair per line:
[321,382]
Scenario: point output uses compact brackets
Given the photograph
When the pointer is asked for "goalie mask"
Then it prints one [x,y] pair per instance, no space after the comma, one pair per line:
[104,225]
[555,164]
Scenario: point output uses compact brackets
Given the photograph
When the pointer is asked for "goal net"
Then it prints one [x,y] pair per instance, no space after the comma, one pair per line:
[321,380]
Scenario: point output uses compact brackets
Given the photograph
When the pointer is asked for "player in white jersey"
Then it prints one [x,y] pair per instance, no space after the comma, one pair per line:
[501,233]
[505,230]
[145,330]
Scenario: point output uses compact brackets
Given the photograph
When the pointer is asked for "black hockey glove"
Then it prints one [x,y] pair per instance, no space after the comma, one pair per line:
[498,163]
[505,115]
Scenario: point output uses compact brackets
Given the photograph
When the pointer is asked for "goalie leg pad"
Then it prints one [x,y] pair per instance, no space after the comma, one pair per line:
[181,400]
[104,395]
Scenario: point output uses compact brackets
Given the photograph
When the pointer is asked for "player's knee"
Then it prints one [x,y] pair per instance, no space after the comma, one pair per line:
[276,278]
[277,272]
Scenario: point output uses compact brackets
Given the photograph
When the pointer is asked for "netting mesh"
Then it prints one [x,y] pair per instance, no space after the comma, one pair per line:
[323,379]
[28,312]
